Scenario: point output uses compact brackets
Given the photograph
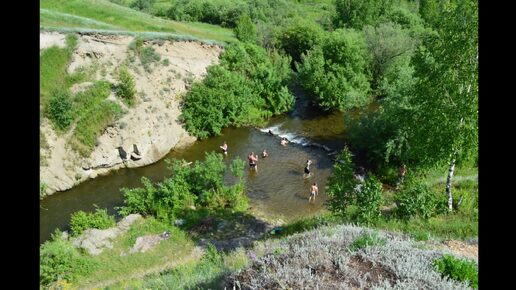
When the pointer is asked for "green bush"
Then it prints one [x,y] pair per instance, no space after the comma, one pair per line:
[366,240]
[341,184]
[298,37]
[245,30]
[100,219]
[458,269]
[247,87]
[59,109]
[368,201]
[416,199]
[59,259]
[42,189]
[126,86]
[200,185]
[335,72]
[148,55]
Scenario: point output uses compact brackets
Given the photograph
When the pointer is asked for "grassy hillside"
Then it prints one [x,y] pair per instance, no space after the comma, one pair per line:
[105,15]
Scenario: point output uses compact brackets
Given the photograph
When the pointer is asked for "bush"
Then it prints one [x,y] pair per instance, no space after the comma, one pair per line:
[126,86]
[142,5]
[245,30]
[335,72]
[366,240]
[416,199]
[368,201]
[42,189]
[148,55]
[298,37]
[458,269]
[60,109]
[60,260]
[100,219]
[200,185]
[341,184]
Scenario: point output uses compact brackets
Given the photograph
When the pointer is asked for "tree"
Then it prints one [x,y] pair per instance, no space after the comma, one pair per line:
[335,72]
[441,125]
[341,184]
[245,30]
[299,36]
[358,13]
[126,87]
[386,43]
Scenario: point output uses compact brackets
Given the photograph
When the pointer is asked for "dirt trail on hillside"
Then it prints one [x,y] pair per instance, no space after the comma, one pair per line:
[151,124]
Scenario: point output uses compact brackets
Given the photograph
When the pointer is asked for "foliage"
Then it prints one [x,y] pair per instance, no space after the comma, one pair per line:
[445,99]
[245,30]
[368,201]
[100,219]
[335,72]
[59,259]
[223,12]
[367,240]
[341,184]
[247,87]
[458,269]
[126,86]
[42,189]
[59,109]
[142,5]
[88,128]
[386,43]
[415,199]
[200,185]
[358,13]
[299,36]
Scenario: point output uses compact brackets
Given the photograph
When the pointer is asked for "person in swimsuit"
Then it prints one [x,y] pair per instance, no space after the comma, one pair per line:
[252,160]
[313,192]
[224,148]
[307,168]
[265,154]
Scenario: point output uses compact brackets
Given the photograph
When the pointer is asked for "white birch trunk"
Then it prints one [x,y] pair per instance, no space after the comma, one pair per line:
[449,184]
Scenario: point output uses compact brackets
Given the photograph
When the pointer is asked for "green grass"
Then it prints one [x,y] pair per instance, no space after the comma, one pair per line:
[366,240]
[52,69]
[90,127]
[458,269]
[105,15]
[113,266]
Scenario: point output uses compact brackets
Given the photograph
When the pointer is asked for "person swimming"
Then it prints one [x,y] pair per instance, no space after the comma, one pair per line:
[265,154]
[307,167]
[284,141]
[224,148]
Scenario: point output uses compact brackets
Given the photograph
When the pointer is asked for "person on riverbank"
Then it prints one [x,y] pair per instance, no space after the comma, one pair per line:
[252,161]
[265,154]
[402,173]
[224,148]
[314,190]
[307,168]
[284,141]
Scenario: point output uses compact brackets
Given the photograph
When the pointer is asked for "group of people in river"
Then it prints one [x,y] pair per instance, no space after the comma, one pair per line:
[253,159]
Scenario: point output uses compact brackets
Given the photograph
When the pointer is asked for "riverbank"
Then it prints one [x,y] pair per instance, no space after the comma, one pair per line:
[150,125]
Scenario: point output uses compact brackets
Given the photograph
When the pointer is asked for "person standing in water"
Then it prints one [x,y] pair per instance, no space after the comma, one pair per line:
[307,168]
[252,161]
[224,148]
[265,154]
[313,192]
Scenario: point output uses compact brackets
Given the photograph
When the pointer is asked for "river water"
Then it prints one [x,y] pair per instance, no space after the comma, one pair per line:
[278,189]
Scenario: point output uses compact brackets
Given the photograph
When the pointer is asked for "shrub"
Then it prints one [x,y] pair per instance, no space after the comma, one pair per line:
[341,184]
[148,55]
[416,199]
[42,189]
[81,221]
[200,185]
[245,30]
[60,109]
[335,72]
[298,37]
[126,86]
[60,260]
[458,269]
[366,240]
[368,201]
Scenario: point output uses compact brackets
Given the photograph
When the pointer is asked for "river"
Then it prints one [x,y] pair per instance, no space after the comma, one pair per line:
[278,189]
